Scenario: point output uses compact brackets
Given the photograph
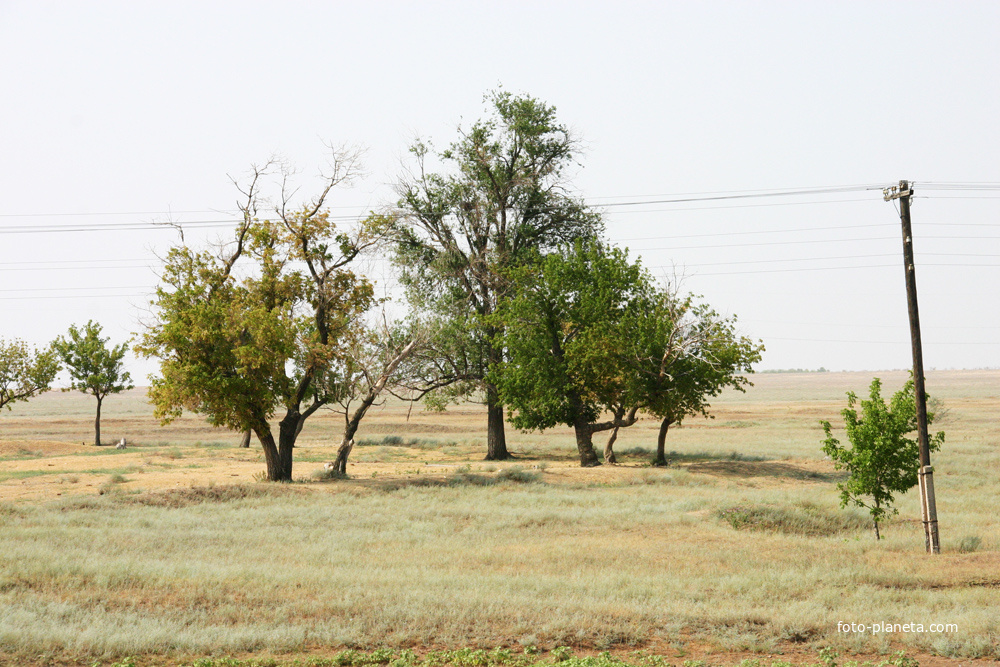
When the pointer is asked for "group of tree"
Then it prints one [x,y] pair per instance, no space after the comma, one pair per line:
[514,300]
[592,342]
[94,368]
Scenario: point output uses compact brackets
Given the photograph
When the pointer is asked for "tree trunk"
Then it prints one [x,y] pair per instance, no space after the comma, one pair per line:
[347,444]
[340,464]
[496,438]
[245,442]
[661,439]
[287,430]
[97,424]
[609,452]
[877,535]
[585,445]
[271,457]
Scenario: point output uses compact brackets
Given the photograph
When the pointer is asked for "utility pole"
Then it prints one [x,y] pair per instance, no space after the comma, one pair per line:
[928,508]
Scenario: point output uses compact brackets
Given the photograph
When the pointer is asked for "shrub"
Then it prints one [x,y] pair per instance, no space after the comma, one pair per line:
[519,475]
[802,519]
[969,543]
[321,474]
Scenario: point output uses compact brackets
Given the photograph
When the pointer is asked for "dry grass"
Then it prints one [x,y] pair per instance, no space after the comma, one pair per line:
[739,547]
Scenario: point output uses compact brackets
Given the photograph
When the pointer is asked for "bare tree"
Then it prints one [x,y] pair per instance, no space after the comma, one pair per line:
[358,383]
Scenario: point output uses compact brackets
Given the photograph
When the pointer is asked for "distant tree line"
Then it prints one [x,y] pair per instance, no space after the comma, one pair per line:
[795,370]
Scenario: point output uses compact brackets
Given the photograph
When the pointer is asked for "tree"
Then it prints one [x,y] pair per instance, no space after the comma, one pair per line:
[253,327]
[356,383]
[502,200]
[882,461]
[563,334]
[24,372]
[93,367]
[685,354]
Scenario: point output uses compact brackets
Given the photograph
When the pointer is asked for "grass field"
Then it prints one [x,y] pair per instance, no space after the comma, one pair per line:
[170,550]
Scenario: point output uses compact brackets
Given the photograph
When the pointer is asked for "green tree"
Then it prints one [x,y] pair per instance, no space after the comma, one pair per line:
[501,198]
[563,335]
[24,372]
[254,327]
[685,354]
[882,461]
[93,367]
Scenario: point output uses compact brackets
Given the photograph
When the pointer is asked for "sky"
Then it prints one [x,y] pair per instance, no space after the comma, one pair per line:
[118,115]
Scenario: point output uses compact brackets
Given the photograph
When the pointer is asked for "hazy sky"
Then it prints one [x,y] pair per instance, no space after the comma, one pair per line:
[120,114]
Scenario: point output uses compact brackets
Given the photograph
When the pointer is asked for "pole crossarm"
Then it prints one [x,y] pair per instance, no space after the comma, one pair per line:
[904,189]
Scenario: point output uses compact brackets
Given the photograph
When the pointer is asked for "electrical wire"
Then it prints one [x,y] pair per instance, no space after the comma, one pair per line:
[874,342]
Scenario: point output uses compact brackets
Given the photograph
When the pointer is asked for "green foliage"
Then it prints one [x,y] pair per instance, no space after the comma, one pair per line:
[262,324]
[686,353]
[882,461]
[498,657]
[586,332]
[94,368]
[234,349]
[126,662]
[24,372]
[496,202]
[563,335]
[562,653]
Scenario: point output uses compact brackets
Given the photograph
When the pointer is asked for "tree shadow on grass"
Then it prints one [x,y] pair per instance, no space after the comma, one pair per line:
[748,469]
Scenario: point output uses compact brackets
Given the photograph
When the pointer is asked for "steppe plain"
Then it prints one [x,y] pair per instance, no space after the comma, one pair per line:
[172,550]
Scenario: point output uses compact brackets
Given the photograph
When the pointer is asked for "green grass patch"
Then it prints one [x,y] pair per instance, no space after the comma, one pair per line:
[798,519]
[24,474]
[127,470]
[530,656]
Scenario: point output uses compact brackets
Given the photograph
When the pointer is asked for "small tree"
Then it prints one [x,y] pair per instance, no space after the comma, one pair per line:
[685,354]
[94,368]
[356,382]
[24,372]
[882,461]
[563,337]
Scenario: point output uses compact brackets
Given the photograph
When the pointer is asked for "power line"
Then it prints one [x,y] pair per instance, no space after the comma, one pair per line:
[873,342]
[95,267]
[680,199]
[732,206]
[114,227]
[838,268]
[76,296]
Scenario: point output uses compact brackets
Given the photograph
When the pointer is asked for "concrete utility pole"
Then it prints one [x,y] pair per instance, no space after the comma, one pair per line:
[928,508]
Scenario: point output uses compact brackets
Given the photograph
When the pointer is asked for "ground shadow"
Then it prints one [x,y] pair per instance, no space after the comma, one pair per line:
[744,469]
